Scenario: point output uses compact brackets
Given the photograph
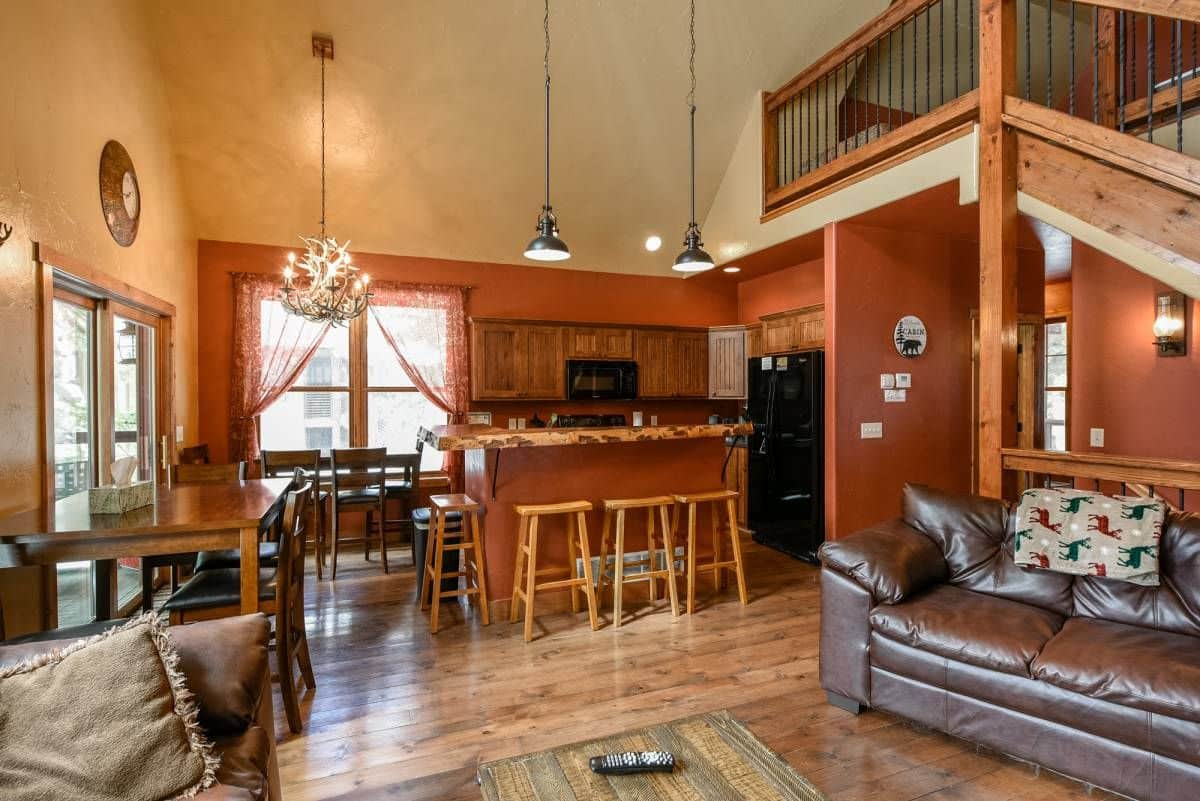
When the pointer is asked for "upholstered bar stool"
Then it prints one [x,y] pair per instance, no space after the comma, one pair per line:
[526,575]
[614,521]
[470,549]
[716,500]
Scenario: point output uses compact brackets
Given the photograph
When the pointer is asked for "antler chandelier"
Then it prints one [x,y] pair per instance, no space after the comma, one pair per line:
[323,286]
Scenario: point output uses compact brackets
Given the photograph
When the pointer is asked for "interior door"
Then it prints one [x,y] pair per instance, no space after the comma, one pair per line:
[1030,384]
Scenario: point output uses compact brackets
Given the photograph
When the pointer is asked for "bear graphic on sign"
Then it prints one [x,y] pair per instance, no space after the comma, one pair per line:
[911,337]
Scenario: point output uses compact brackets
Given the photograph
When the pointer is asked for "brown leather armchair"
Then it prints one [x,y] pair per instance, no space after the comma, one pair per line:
[225,663]
[928,617]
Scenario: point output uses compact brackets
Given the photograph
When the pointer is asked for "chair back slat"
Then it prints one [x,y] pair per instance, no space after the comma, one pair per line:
[208,473]
[405,467]
[289,583]
[357,468]
[275,464]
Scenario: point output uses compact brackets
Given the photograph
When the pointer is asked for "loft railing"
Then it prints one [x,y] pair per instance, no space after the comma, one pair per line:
[910,76]
[1171,480]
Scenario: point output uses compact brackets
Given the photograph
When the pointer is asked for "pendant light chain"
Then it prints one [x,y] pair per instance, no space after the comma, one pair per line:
[693,258]
[546,246]
[546,65]
[322,145]
[692,106]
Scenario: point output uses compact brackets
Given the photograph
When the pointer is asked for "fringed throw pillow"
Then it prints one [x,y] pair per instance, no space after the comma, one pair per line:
[1088,533]
[104,719]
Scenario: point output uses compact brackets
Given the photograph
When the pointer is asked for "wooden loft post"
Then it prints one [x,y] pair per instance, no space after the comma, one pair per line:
[1106,66]
[997,242]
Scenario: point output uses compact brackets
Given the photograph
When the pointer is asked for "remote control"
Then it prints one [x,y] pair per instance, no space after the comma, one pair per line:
[633,762]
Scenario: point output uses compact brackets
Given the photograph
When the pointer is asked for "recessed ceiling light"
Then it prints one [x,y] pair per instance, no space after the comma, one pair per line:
[653,243]
[731,270]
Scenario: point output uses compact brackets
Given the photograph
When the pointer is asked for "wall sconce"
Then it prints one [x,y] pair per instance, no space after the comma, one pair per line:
[1170,324]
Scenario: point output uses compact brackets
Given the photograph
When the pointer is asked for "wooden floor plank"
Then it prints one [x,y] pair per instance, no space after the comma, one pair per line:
[401,713]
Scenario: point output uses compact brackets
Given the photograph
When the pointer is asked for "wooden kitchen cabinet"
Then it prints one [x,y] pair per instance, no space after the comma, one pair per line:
[754,341]
[599,342]
[727,362]
[672,364]
[798,329]
[691,364]
[737,478]
[516,360]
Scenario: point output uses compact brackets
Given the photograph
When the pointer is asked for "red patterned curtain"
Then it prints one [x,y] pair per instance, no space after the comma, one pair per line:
[430,340]
[270,350]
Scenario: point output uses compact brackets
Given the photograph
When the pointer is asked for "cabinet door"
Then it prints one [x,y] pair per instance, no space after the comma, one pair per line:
[599,343]
[545,373]
[655,360]
[754,342]
[777,335]
[727,363]
[497,360]
[737,479]
[691,364]
[616,343]
[809,329]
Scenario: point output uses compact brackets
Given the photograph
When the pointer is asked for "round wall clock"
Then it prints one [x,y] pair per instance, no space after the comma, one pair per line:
[911,337]
[120,197]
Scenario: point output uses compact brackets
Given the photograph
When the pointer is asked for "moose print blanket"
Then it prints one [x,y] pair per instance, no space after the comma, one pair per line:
[1087,533]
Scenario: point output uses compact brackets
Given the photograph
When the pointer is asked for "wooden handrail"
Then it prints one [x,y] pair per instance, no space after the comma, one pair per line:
[1129,470]
[893,16]
[1179,9]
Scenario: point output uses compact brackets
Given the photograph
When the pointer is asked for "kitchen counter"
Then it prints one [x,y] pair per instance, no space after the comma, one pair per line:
[471,437]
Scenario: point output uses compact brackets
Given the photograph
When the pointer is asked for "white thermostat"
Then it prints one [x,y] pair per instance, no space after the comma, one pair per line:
[903,380]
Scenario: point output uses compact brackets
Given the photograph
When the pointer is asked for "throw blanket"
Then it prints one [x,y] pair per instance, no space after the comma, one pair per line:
[1087,533]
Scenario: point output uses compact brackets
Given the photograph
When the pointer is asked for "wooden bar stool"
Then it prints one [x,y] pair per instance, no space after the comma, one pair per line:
[615,509]
[445,537]
[715,499]
[526,574]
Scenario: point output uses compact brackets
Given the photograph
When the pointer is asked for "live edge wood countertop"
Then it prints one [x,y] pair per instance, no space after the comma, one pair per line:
[470,437]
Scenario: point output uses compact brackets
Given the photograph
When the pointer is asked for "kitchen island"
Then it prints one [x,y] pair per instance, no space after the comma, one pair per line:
[504,467]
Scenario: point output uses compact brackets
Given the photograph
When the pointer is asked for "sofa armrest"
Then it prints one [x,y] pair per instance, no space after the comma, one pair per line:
[891,560]
[225,664]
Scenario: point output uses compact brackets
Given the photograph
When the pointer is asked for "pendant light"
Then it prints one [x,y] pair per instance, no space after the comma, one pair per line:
[693,259]
[546,246]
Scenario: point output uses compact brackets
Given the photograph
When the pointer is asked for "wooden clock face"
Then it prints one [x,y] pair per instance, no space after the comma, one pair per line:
[120,197]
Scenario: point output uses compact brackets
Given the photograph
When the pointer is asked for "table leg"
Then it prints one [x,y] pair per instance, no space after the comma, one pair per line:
[249,571]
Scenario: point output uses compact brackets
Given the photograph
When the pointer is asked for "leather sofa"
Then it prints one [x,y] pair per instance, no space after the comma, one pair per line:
[225,663]
[927,617]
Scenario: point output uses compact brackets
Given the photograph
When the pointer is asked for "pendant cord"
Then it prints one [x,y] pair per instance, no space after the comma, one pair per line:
[546,65]
[692,107]
[322,145]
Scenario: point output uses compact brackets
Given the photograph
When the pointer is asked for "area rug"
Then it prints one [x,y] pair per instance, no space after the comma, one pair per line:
[716,759]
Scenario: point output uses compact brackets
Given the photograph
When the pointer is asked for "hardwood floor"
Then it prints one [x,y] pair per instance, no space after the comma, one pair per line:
[401,714]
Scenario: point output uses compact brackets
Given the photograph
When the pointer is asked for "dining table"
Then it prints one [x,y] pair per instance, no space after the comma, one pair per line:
[182,519]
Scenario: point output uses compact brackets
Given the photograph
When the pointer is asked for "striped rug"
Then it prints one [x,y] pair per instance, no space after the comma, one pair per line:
[716,759]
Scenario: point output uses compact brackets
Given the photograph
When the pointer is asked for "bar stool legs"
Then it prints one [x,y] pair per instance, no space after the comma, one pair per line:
[614,517]
[468,543]
[718,565]
[527,575]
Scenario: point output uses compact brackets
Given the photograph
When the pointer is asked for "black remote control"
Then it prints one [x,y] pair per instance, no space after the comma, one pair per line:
[633,762]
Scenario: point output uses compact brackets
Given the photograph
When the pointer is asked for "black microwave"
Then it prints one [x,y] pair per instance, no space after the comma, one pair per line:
[597,380]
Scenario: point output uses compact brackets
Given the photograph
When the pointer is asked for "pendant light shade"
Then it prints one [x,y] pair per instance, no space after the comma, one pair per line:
[546,246]
[693,259]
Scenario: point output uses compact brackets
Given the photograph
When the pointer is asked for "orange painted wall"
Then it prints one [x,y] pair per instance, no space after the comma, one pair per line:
[789,288]
[874,276]
[500,290]
[1145,403]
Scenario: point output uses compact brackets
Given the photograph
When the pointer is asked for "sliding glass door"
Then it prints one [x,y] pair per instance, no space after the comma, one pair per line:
[133,412]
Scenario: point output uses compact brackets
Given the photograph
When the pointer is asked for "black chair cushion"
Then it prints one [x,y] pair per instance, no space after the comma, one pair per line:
[218,587]
[168,560]
[397,489]
[361,495]
[421,516]
[69,632]
[268,556]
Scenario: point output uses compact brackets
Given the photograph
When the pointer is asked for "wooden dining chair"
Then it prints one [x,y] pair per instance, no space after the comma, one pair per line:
[403,486]
[11,556]
[357,483]
[280,464]
[194,454]
[217,593]
[194,473]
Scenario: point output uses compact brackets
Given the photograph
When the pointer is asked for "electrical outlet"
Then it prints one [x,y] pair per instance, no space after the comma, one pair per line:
[871,431]
[895,396]
[1097,438]
[887,381]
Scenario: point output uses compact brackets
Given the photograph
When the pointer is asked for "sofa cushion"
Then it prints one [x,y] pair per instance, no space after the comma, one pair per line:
[244,761]
[109,717]
[891,560]
[1152,670]
[970,627]
[976,537]
[225,662]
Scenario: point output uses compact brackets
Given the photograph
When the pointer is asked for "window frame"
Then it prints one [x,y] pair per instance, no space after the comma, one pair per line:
[359,388]
[1048,388]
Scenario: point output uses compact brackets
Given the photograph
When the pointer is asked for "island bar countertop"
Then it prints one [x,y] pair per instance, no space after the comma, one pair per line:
[471,437]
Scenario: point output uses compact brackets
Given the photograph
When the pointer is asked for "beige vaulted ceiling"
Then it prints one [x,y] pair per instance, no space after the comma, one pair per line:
[435,116]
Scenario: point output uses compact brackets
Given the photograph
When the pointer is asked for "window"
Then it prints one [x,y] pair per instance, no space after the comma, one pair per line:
[1057,400]
[354,391]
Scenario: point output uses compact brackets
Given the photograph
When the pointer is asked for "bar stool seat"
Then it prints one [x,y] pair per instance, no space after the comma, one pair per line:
[614,519]
[716,499]
[469,547]
[526,574]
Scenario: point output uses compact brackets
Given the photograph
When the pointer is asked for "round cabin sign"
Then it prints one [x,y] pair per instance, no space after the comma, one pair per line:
[911,337]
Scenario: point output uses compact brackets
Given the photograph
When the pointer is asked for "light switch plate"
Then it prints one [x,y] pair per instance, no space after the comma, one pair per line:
[886,380]
[654,419]
[895,396]
[179,433]
[903,380]
[1097,438]
[871,431]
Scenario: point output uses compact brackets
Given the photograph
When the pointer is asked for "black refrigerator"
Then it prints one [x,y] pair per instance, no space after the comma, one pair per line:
[786,404]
